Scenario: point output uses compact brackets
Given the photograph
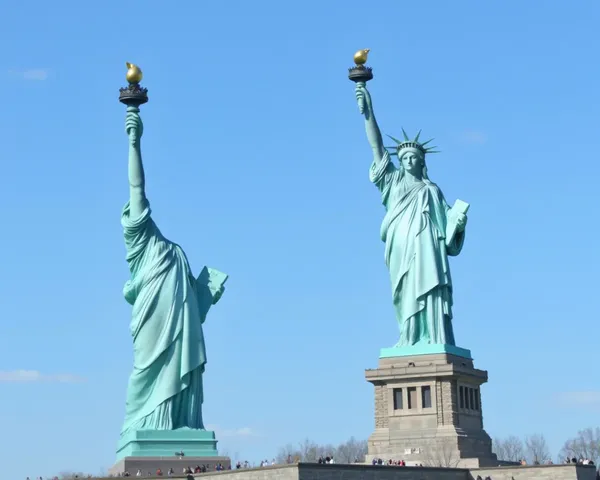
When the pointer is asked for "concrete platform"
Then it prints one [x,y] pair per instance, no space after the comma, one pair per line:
[311,471]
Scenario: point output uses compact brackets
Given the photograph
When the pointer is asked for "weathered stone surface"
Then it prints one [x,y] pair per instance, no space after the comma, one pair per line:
[439,403]
[381,407]
[449,402]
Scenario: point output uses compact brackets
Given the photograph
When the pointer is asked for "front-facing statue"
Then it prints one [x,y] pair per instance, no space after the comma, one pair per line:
[420,231]
[165,393]
[426,373]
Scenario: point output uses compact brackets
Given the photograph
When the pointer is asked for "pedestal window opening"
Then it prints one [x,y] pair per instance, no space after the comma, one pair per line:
[398,401]
[426,396]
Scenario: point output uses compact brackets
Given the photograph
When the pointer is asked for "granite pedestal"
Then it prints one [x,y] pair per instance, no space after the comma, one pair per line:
[149,450]
[428,408]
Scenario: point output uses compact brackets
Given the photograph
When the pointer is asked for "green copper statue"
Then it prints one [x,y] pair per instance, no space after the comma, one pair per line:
[420,231]
[169,307]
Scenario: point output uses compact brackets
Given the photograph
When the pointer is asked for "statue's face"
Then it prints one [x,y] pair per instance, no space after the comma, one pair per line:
[412,162]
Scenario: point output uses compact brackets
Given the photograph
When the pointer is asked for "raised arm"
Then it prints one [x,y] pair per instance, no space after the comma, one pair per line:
[137,182]
[373,133]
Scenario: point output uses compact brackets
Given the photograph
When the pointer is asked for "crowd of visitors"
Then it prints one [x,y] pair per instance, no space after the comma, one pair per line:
[390,462]
[171,471]
[580,460]
[264,463]
[327,459]
[54,478]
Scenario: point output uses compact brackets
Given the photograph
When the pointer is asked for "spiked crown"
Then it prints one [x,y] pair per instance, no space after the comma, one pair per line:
[408,143]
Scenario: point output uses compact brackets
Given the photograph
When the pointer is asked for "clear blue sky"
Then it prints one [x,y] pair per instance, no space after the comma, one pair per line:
[257,164]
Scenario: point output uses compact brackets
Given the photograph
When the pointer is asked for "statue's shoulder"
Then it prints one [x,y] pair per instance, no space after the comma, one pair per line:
[433,188]
[140,219]
[433,191]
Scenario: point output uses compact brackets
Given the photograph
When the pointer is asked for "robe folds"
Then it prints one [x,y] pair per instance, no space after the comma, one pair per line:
[165,389]
[416,254]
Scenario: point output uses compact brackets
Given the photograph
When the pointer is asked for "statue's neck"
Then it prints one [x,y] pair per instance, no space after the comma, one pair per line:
[411,178]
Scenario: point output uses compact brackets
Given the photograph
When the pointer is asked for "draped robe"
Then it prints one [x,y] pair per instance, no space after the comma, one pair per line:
[169,307]
[416,254]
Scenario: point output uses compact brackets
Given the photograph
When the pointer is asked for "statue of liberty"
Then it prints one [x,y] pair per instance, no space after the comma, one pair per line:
[169,307]
[420,231]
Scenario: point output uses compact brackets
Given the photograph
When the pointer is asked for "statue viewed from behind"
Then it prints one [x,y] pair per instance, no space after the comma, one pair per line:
[170,305]
[420,231]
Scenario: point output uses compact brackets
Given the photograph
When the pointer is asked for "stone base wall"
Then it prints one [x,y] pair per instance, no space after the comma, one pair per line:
[436,448]
[152,464]
[311,471]
[538,472]
[368,472]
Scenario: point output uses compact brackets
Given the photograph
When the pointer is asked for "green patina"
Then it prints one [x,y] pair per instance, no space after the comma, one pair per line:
[420,231]
[170,304]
